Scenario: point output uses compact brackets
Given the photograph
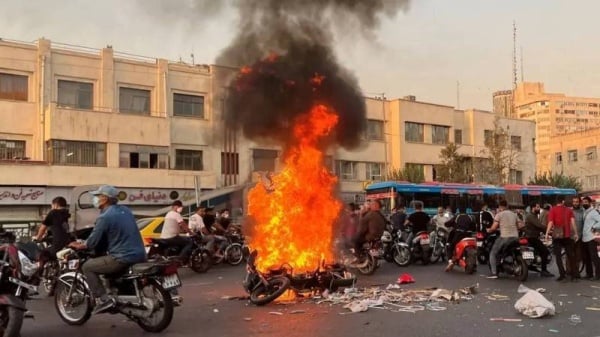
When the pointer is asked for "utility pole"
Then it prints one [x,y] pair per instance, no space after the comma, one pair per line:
[514,90]
[458,95]
[385,141]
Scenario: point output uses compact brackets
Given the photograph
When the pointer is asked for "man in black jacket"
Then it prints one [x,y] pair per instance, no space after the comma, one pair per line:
[533,228]
[462,225]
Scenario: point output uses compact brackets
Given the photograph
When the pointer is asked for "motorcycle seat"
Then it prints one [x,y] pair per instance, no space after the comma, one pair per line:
[30,249]
[143,268]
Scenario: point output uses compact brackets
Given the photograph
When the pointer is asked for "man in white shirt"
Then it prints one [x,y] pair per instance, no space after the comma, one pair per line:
[173,225]
[197,226]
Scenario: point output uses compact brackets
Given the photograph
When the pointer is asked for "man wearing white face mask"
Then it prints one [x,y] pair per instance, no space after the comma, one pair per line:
[174,224]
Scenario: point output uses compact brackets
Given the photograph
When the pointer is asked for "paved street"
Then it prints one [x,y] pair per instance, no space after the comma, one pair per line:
[203,293]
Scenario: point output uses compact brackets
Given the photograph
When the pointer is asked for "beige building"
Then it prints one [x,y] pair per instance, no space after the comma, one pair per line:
[503,103]
[554,114]
[576,154]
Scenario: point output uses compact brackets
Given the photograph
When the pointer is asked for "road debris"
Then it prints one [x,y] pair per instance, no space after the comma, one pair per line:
[278,313]
[500,319]
[497,297]
[575,319]
[215,310]
[247,319]
[553,330]
[405,279]
[397,300]
[592,308]
[533,304]
[297,312]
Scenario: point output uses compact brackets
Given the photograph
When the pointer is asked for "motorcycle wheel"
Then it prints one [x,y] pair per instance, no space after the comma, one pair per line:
[12,321]
[165,306]
[425,255]
[371,266]
[471,261]
[80,299]
[482,258]
[437,252]
[522,268]
[234,254]
[266,294]
[200,261]
[402,256]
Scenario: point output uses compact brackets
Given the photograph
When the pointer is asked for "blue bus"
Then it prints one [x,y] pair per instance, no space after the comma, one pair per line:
[469,196]
[434,194]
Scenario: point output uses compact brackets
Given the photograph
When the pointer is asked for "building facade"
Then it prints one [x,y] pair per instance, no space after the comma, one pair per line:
[503,103]
[576,154]
[555,114]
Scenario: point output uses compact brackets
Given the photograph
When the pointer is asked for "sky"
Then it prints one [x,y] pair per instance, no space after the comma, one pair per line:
[423,51]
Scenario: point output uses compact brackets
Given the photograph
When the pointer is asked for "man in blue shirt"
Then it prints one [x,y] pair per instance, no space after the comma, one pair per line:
[115,236]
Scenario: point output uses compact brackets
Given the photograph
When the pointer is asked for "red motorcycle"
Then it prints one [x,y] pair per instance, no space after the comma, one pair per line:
[465,254]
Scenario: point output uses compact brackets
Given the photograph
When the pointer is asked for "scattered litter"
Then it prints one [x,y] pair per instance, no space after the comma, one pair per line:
[227,297]
[497,297]
[392,286]
[520,325]
[595,287]
[500,319]
[534,304]
[575,319]
[397,300]
[563,295]
[278,313]
[247,319]
[592,308]
[215,310]
[553,330]
[541,290]
[297,312]
[405,279]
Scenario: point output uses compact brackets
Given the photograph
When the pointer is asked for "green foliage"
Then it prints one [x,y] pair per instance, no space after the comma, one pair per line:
[498,157]
[411,173]
[454,166]
[556,180]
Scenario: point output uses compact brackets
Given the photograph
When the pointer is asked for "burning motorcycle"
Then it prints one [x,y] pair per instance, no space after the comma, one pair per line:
[200,258]
[141,293]
[264,288]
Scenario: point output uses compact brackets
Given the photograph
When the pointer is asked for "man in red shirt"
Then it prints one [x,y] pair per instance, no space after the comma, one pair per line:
[564,235]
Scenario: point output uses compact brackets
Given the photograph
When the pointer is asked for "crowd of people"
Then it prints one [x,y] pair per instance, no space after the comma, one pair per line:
[574,230]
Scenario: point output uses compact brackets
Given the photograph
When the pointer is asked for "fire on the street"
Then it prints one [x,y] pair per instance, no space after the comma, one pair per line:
[293,218]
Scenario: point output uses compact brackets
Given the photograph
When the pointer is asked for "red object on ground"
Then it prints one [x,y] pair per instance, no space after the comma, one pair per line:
[405,278]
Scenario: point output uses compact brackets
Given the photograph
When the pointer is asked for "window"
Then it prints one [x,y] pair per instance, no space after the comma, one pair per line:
[13,87]
[440,134]
[374,130]
[188,160]
[516,177]
[515,142]
[78,95]
[12,149]
[558,156]
[264,160]
[64,152]
[347,170]
[374,171]
[141,156]
[572,156]
[414,132]
[591,153]
[458,136]
[488,137]
[135,101]
[230,163]
[188,105]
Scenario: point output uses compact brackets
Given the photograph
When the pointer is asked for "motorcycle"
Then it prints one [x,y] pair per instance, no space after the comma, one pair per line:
[465,255]
[418,249]
[141,292]
[266,287]
[13,290]
[46,276]
[514,259]
[200,258]
[485,241]
[439,239]
[234,251]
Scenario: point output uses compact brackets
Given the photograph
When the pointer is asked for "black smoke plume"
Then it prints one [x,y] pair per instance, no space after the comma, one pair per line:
[286,49]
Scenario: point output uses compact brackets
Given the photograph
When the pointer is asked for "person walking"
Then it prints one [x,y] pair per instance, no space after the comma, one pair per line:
[561,222]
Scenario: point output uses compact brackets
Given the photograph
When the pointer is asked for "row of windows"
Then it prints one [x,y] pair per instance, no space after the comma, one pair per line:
[349,170]
[490,138]
[415,132]
[590,154]
[80,95]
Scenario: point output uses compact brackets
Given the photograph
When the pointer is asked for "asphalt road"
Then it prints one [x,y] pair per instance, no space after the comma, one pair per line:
[205,313]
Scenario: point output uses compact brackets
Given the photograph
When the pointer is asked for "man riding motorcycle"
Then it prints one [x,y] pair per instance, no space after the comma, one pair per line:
[533,228]
[116,235]
[508,223]
[462,224]
[174,224]
[370,228]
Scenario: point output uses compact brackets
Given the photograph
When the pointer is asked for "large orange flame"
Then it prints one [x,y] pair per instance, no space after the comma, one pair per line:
[294,216]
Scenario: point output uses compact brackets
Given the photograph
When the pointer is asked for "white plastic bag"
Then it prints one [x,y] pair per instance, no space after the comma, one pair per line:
[534,304]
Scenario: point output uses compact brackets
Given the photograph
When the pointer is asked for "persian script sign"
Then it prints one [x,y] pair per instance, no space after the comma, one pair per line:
[22,195]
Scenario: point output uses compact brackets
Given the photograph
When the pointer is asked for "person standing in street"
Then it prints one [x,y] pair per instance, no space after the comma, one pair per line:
[591,223]
[561,222]
[581,253]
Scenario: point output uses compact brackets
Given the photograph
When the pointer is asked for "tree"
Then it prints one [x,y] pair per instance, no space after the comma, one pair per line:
[556,180]
[454,166]
[411,173]
[498,156]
